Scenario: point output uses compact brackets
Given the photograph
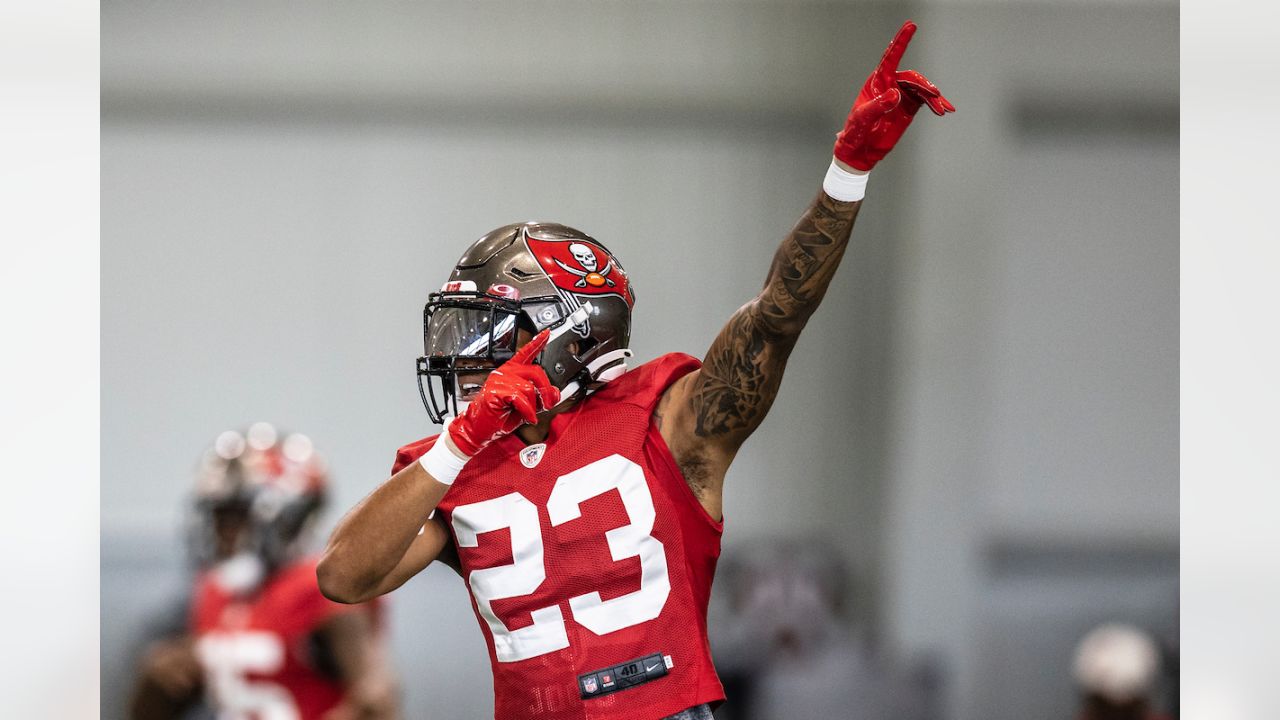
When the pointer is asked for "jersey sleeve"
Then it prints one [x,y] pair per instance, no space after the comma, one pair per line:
[412,452]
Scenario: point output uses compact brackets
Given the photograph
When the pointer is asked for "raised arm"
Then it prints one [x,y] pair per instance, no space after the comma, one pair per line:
[708,414]
[742,370]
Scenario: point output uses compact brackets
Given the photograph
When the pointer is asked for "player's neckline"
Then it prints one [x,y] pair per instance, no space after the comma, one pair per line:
[559,426]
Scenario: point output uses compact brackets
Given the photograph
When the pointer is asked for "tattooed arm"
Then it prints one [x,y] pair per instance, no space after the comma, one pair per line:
[707,415]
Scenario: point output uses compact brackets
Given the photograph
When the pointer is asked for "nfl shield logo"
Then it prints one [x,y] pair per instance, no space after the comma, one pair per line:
[589,684]
[532,455]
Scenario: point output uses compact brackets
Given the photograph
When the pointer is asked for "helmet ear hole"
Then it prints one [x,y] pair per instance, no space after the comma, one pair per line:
[584,347]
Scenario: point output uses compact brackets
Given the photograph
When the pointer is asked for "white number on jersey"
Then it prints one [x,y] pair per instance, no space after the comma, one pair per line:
[228,658]
[527,572]
[522,577]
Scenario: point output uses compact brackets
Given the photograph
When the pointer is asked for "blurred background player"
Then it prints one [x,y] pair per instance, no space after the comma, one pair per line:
[786,646]
[258,640]
[587,514]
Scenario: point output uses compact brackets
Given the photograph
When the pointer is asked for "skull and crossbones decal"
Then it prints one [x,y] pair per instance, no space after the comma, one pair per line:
[588,274]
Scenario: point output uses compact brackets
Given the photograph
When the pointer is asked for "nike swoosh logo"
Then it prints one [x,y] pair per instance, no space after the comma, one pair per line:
[650,669]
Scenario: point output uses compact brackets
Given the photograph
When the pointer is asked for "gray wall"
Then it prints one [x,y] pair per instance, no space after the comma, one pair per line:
[1035,357]
[983,414]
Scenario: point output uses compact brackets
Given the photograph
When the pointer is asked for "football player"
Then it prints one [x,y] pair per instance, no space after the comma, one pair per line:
[261,642]
[580,500]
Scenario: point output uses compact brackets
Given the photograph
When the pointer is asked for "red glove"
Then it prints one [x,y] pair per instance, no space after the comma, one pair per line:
[885,107]
[512,395]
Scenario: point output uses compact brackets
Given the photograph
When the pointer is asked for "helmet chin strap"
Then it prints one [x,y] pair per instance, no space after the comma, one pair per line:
[603,369]
[609,366]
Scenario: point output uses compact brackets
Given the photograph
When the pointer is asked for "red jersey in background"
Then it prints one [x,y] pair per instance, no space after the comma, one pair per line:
[257,651]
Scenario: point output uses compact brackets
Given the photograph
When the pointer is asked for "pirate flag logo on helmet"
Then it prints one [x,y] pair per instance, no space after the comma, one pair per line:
[580,267]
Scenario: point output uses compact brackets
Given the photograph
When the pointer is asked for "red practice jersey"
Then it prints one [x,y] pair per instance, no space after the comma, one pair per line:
[256,651]
[589,561]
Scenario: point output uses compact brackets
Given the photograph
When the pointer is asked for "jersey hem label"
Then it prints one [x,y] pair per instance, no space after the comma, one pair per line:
[624,676]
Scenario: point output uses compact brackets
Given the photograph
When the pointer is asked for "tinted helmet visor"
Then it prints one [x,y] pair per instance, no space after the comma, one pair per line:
[469,333]
[462,330]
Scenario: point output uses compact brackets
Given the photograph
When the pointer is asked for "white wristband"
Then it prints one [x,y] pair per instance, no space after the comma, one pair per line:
[440,462]
[843,185]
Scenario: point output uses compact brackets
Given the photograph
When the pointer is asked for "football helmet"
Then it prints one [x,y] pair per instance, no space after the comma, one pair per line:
[256,493]
[528,276]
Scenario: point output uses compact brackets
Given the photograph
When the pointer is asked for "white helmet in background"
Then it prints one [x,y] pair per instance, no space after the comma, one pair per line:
[1117,662]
